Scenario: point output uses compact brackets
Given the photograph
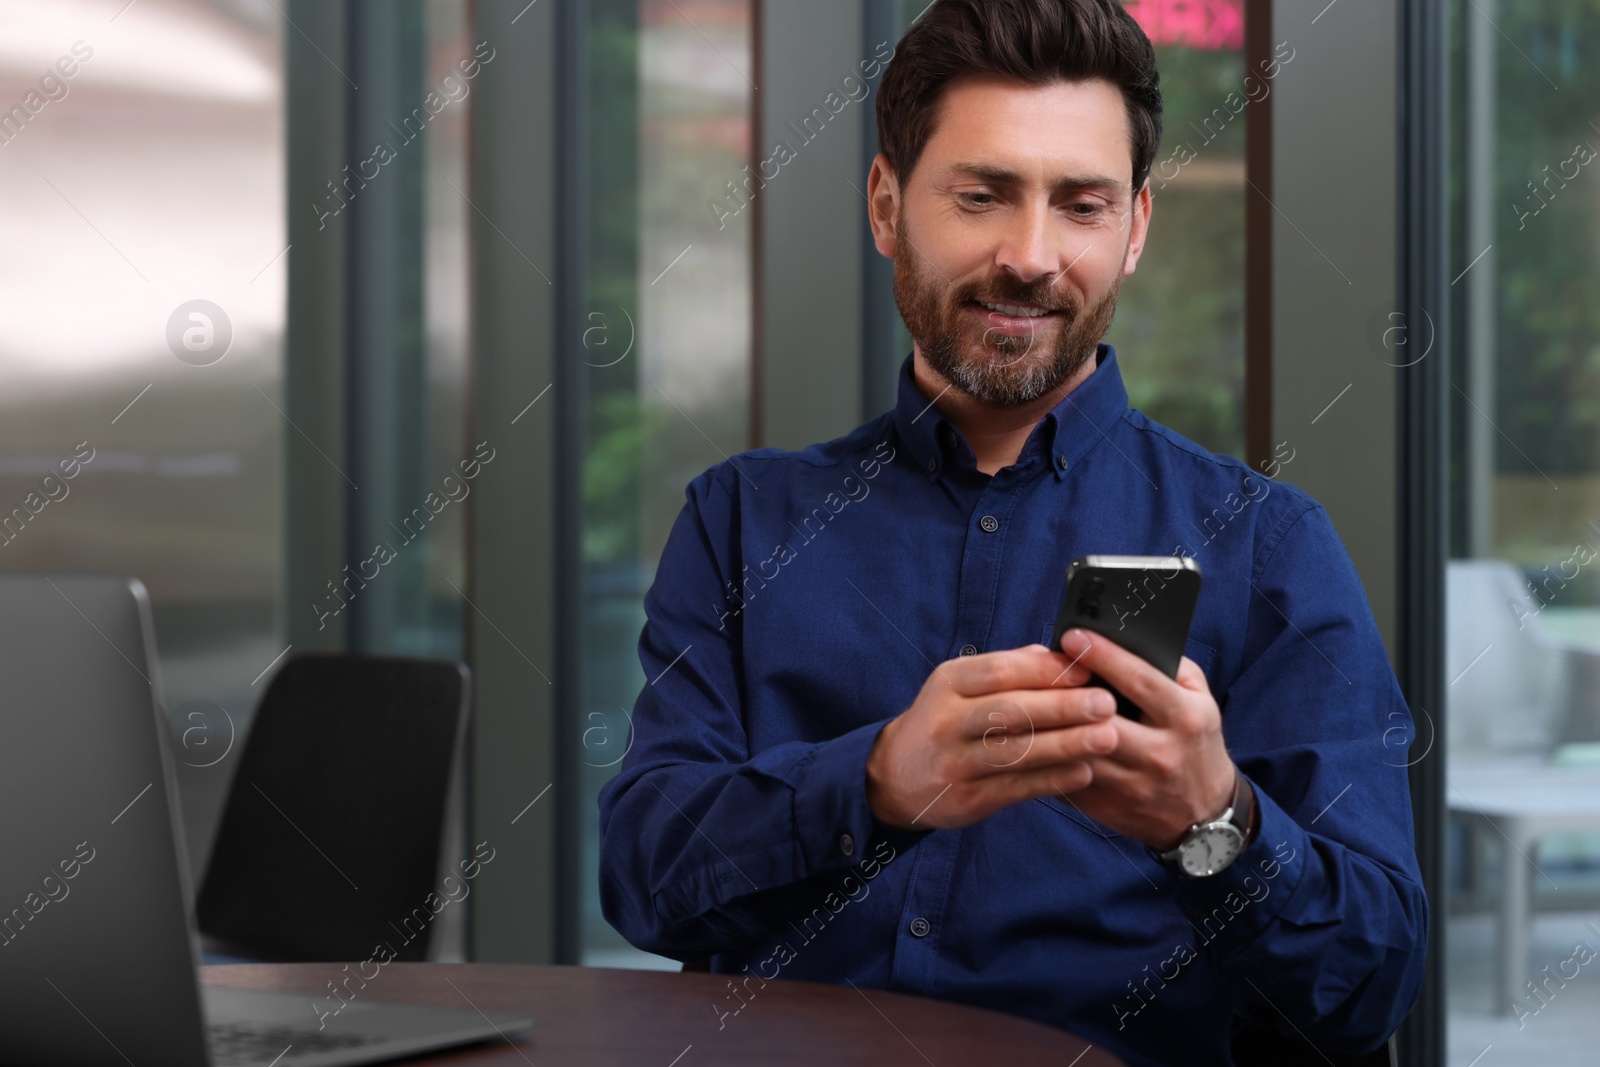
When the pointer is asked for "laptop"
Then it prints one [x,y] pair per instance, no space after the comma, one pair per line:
[99,953]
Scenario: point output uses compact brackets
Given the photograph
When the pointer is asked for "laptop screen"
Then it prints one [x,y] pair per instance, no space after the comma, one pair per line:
[95,938]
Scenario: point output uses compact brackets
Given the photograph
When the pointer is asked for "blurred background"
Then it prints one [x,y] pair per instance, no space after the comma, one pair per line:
[570,216]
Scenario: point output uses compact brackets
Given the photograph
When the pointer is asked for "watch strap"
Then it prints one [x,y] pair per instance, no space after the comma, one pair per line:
[1244,806]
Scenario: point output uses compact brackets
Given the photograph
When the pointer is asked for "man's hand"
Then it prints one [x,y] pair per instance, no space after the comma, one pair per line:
[1168,771]
[987,731]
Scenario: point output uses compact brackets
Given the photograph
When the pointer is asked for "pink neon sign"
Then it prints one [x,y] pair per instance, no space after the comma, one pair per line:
[1208,24]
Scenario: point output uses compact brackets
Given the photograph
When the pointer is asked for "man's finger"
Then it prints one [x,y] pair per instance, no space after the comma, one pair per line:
[1119,775]
[1010,753]
[1140,682]
[1029,667]
[1136,743]
[1021,712]
[1059,779]
[1190,676]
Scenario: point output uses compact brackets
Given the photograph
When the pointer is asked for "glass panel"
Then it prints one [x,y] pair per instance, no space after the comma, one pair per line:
[666,340]
[1179,330]
[407,281]
[444,282]
[143,175]
[1522,911]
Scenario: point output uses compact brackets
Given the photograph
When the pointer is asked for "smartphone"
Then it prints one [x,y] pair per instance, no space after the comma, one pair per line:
[1143,603]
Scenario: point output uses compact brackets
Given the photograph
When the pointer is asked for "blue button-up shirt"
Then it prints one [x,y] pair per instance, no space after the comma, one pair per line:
[802,600]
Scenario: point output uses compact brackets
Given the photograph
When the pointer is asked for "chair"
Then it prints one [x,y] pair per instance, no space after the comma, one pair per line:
[1515,734]
[344,810]
[1512,697]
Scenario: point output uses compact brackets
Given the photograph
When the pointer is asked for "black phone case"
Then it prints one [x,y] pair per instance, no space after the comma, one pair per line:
[1145,609]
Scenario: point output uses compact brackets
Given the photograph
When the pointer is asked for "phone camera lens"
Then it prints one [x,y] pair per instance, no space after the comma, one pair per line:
[1089,609]
[1095,584]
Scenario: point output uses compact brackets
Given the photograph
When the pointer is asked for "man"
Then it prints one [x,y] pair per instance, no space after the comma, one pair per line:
[856,759]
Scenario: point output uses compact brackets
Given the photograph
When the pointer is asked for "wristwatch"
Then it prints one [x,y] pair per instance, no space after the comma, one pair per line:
[1209,847]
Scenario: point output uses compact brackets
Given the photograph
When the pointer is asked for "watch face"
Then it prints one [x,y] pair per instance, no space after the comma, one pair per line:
[1211,849]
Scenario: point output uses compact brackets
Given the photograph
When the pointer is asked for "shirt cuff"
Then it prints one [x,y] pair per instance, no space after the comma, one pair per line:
[1238,902]
[834,823]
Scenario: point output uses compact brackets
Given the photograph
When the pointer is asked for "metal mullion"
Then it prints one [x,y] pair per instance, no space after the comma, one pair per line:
[1422,505]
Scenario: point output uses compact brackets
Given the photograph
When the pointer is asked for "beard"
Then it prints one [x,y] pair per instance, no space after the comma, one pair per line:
[991,367]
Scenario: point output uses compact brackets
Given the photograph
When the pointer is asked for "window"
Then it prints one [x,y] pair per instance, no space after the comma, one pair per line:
[1523,605]
[1179,330]
[141,155]
[666,344]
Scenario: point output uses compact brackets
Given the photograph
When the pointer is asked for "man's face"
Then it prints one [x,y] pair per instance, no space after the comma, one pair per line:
[1013,233]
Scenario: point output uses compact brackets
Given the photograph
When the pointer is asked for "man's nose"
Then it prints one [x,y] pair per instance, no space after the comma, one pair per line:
[1032,246]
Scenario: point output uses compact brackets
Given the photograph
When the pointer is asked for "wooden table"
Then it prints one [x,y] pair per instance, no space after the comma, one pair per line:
[598,1016]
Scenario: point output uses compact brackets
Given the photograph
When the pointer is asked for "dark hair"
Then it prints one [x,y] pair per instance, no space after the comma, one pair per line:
[1032,41]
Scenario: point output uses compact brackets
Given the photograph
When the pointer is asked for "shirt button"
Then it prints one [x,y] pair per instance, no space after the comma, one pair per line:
[920,927]
[969,650]
[989,523]
[933,464]
[1061,461]
[847,844]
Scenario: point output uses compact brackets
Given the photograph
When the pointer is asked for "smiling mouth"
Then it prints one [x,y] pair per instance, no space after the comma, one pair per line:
[1015,311]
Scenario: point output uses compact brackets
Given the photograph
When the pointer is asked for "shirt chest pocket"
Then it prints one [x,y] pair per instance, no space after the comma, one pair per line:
[1203,655]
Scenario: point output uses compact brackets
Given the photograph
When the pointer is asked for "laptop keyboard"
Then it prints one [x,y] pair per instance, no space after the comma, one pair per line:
[242,1044]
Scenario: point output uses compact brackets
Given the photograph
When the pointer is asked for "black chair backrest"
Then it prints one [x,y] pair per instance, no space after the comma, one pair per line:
[332,836]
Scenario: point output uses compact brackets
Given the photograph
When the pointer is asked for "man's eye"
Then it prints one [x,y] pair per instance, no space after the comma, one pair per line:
[976,199]
[1085,210]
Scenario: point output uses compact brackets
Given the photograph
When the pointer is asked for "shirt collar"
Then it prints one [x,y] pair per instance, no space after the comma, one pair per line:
[1063,435]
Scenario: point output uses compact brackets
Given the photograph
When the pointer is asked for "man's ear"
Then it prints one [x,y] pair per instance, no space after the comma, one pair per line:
[883,205]
[1142,206]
